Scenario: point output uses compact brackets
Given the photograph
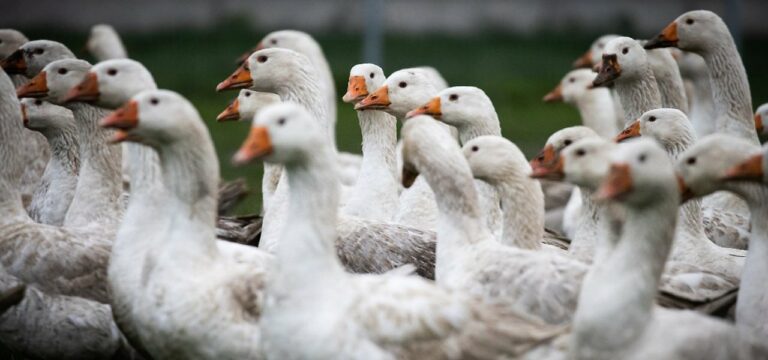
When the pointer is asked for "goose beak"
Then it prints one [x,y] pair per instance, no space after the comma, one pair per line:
[759,123]
[232,112]
[584,61]
[356,90]
[409,175]
[256,146]
[35,88]
[432,108]
[86,91]
[24,117]
[631,131]
[548,165]
[15,63]
[241,78]
[379,100]
[609,70]
[617,183]
[685,192]
[122,119]
[556,95]
[749,170]
[667,38]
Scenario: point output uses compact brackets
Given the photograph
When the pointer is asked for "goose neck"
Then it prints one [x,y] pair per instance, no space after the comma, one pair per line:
[11,135]
[483,124]
[65,149]
[596,111]
[752,302]
[304,89]
[638,94]
[379,131]
[522,202]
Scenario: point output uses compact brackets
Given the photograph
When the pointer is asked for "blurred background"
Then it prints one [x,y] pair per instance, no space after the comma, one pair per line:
[515,50]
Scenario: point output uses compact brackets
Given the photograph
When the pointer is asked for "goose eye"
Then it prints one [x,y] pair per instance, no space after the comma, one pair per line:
[273,41]
[691,161]
[571,80]
[247,93]
[154,101]
[38,102]
[63,71]
[453,97]
[600,45]
[39,51]
[689,21]
[402,84]
[652,119]
[372,75]
[580,152]
[281,121]
[624,51]
[112,72]
[567,142]
[641,158]
[261,59]
[475,148]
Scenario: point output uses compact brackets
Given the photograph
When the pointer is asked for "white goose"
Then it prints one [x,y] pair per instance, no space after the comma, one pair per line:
[196,301]
[668,79]
[702,108]
[543,284]
[703,168]
[671,128]
[57,187]
[358,316]
[642,180]
[592,58]
[595,104]
[104,43]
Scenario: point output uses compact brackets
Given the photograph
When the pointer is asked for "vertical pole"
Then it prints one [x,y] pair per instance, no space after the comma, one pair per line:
[734,11]
[373,32]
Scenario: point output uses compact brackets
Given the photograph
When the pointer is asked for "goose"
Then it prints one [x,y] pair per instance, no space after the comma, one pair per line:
[592,58]
[702,109]
[668,79]
[364,246]
[642,181]
[594,103]
[471,112]
[52,198]
[375,194]
[625,63]
[185,261]
[469,258]
[104,43]
[752,169]
[99,185]
[244,108]
[705,33]
[671,129]
[386,316]
[760,114]
[11,40]
[706,167]
[29,59]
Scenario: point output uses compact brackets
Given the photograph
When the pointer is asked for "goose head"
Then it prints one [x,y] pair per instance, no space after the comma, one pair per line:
[624,58]
[282,133]
[10,41]
[752,169]
[640,174]
[29,59]
[268,70]
[548,157]
[247,104]
[154,118]
[692,31]
[585,163]
[592,56]
[403,91]
[459,106]
[112,83]
[670,127]
[573,87]
[295,40]
[363,80]
[761,115]
[55,80]
[45,117]
[104,42]
[704,166]
[494,158]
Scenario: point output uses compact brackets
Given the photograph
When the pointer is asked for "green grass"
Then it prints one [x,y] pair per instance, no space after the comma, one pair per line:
[514,71]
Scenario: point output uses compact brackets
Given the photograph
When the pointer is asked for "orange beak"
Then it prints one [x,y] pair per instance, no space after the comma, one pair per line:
[616,184]
[15,63]
[24,117]
[256,145]
[122,119]
[86,91]
[232,112]
[432,108]
[585,61]
[685,192]
[609,70]
[356,89]
[749,170]
[631,131]
[548,165]
[241,78]
[379,100]
[667,38]
[35,88]
[556,95]
[759,123]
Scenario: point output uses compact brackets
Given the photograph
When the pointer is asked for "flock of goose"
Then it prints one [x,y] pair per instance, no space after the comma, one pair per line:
[436,246]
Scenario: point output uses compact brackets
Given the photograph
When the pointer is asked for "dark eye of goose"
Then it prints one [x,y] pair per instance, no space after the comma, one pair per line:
[624,51]
[281,121]
[571,80]
[453,97]
[261,59]
[652,119]
[273,41]
[580,152]
[247,93]
[402,84]
[63,71]
[641,158]
[38,102]
[154,101]
[39,51]
[567,142]
[112,72]
[372,75]
[691,161]
[689,21]
[475,148]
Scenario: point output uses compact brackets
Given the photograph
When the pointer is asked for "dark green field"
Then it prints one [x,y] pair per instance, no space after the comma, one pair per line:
[515,72]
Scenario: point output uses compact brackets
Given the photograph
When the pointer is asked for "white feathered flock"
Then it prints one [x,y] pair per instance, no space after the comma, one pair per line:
[434,246]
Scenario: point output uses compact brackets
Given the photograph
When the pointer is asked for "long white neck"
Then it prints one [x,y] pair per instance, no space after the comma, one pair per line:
[11,130]
[752,302]
[597,112]
[638,94]
[730,89]
[99,184]
[58,183]
[306,252]
[375,194]
[485,123]
[585,238]
[668,78]
[702,107]
[618,293]
[522,202]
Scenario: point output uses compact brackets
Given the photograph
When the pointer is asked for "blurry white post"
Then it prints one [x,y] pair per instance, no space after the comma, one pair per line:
[373,32]
[734,17]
